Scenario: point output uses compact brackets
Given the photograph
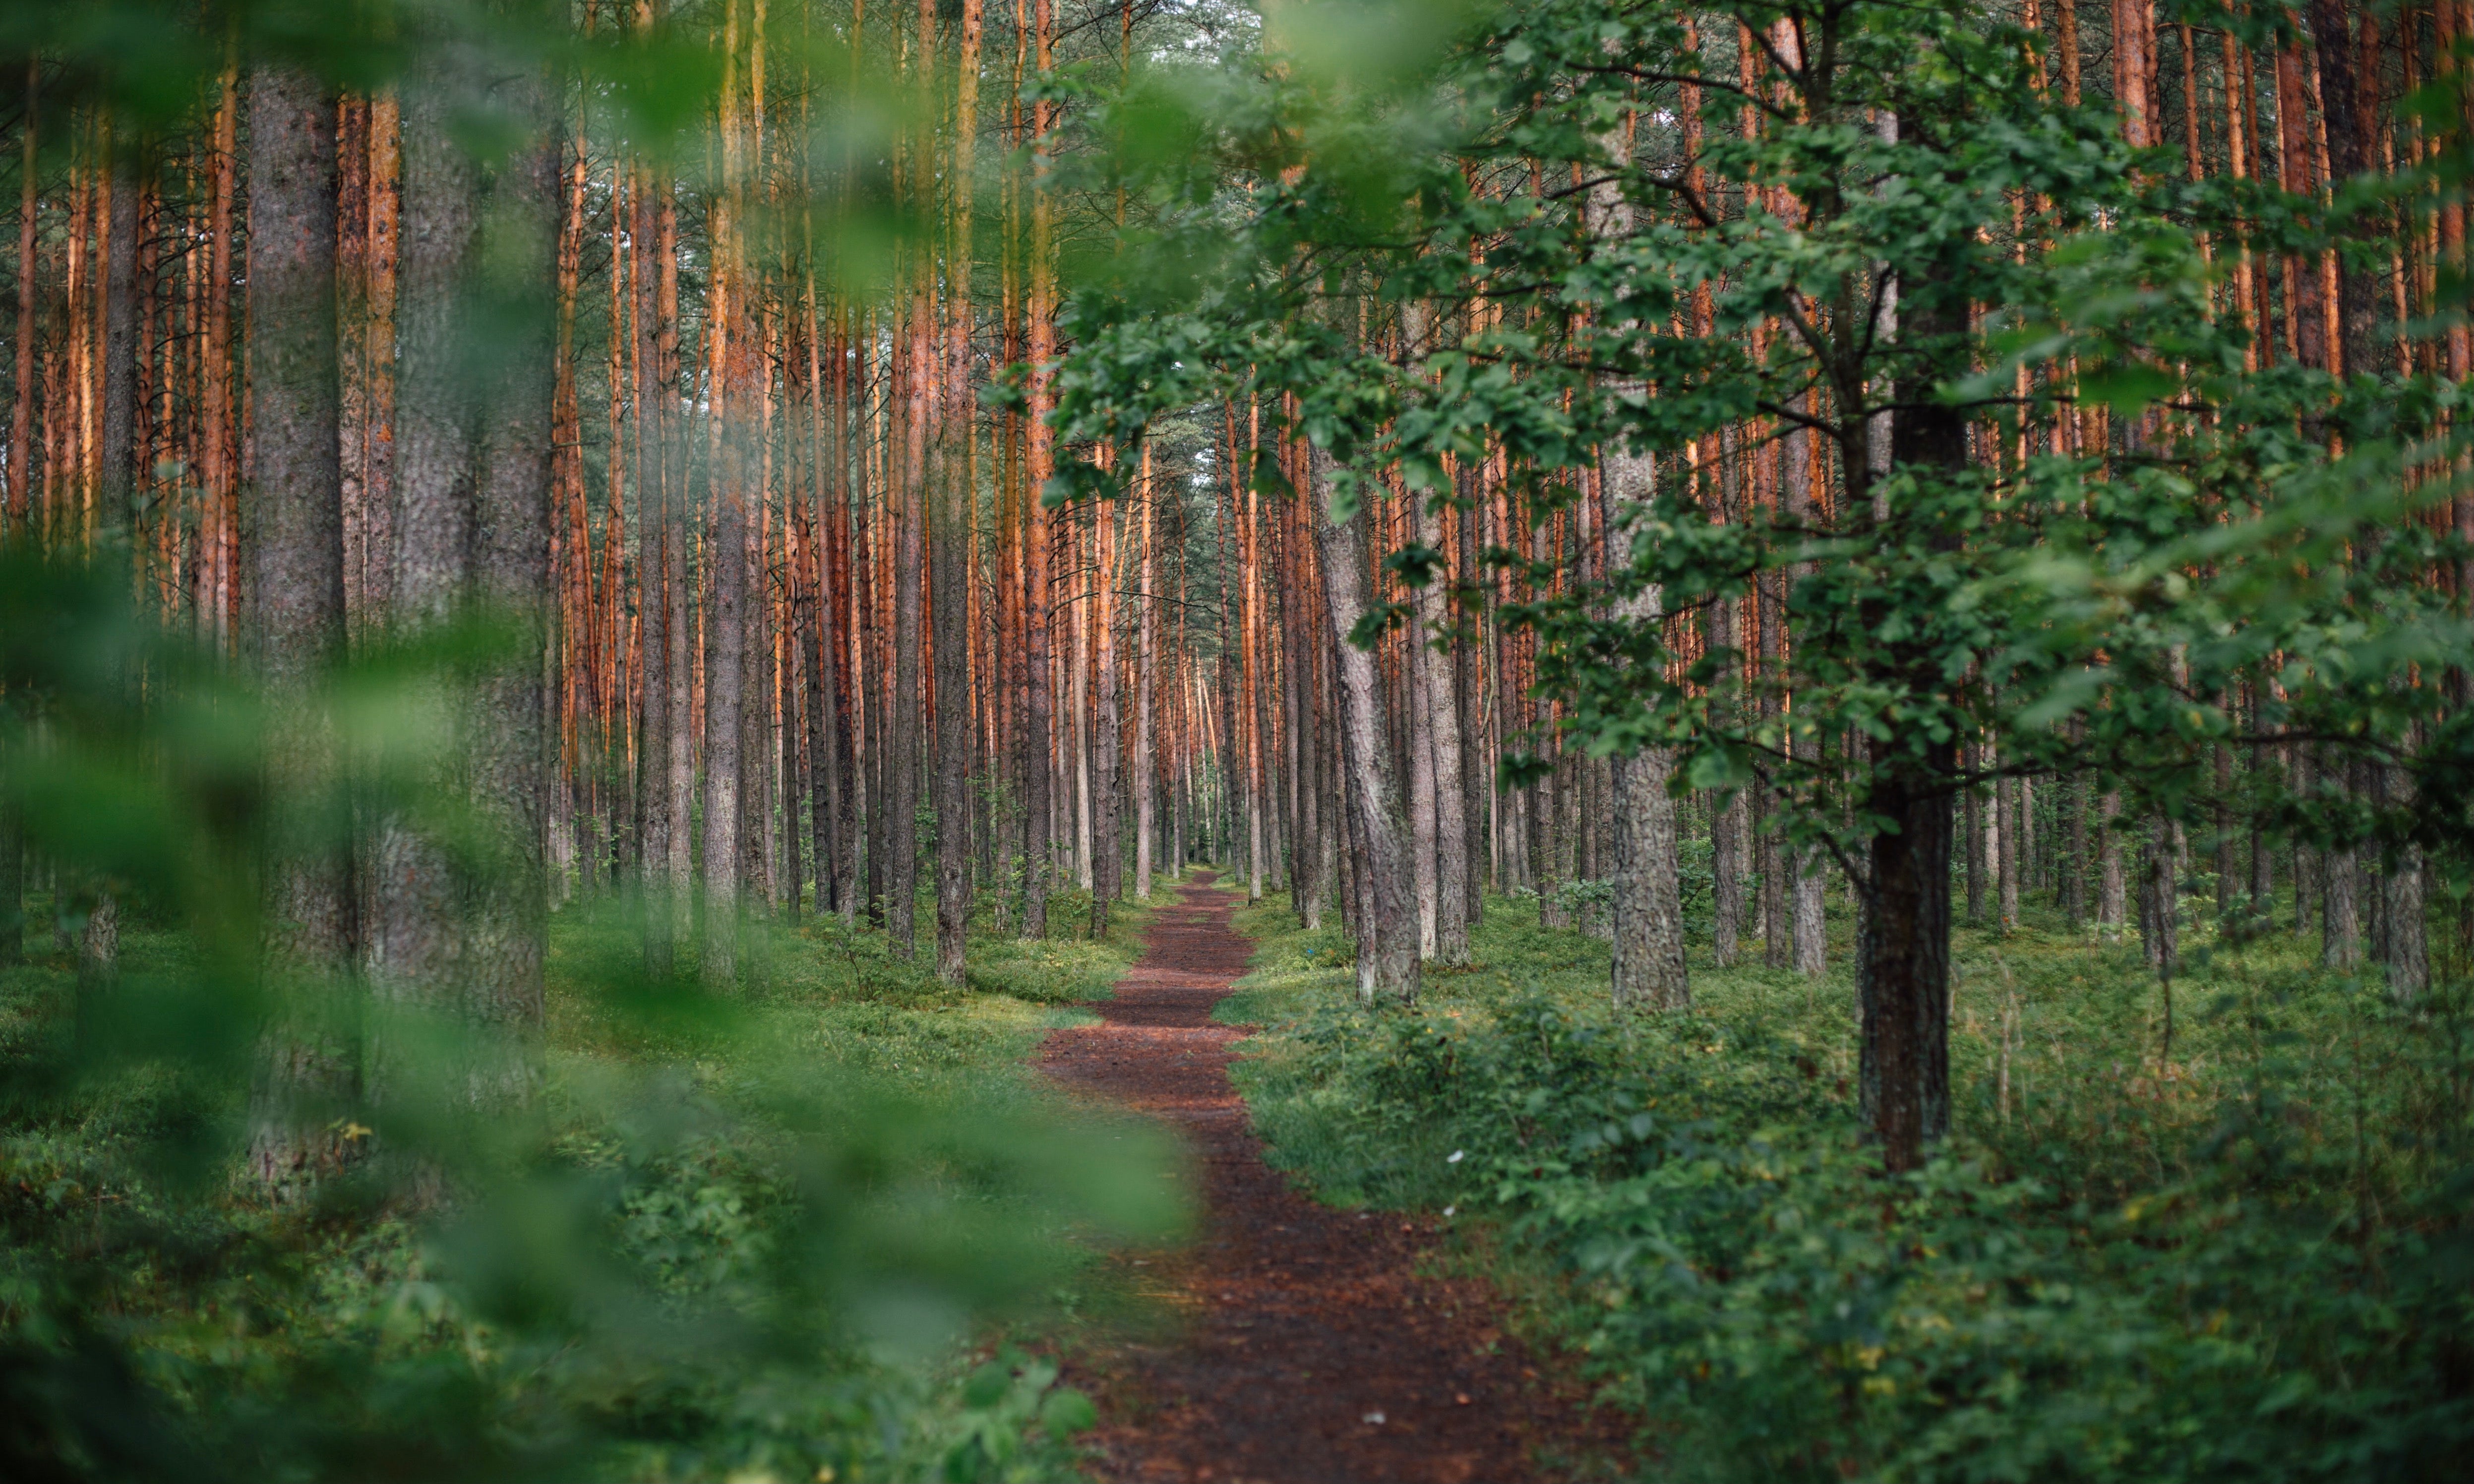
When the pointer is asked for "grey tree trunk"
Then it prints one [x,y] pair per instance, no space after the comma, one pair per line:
[2340,923]
[1444,739]
[1420,759]
[726,698]
[2111,904]
[413,942]
[507,909]
[1648,962]
[1387,925]
[2006,808]
[1807,934]
[307,1066]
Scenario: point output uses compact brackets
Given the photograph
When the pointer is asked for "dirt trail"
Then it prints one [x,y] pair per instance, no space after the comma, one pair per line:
[1311,1353]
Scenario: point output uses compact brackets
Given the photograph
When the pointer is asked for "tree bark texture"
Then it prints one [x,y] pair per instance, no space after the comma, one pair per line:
[306,1067]
[1387,927]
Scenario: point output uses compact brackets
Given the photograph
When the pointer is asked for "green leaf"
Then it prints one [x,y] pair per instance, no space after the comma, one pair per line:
[1067,1412]
[2128,389]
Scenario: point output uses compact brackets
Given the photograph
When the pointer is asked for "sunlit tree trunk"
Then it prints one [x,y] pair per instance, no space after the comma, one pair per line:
[1146,764]
[21,472]
[1106,856]
[114,488]
[953,534]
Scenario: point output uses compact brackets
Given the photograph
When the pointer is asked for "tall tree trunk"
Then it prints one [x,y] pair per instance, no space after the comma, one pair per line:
[115,494]
[1648,962]
[413,938]
[1902,947]
[1039,732]
[950,495]
[1146,764]
[902,760]
[509,755]
[1444,738]
[296,587]
[1387,947]
[657,555]
[2347,117]
[2111,905]
[726,660]
[1107,863]
[1903,969]
[1729,825]
[670,446]
[21,470]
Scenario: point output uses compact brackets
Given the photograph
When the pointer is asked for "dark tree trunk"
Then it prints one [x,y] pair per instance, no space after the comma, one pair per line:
[1902,942]
[1903,965]
[657,552]
[2345,112]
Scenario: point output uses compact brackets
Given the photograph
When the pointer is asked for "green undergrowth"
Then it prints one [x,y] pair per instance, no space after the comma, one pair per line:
[815,1226]
[2240,1249]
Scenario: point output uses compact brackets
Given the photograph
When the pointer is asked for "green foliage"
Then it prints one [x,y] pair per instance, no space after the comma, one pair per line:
[2248,1260]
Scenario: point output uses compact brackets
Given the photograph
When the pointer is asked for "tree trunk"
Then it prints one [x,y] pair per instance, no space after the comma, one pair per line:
[1808,930]
[902,757]
[657,555]
[1442,739]
[306,1062]
[1648,918]
[115,496]
[1105,722]
[414,941]
[509,756]
[1146,766]
[951,497]
[2111,907]
[1387,944]
[1903,967]
[726,661]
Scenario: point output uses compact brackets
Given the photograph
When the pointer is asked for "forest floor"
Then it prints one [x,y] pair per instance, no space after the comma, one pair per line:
[1314,1344]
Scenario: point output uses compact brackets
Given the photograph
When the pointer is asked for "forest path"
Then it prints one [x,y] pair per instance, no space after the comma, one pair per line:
[1311,1349]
